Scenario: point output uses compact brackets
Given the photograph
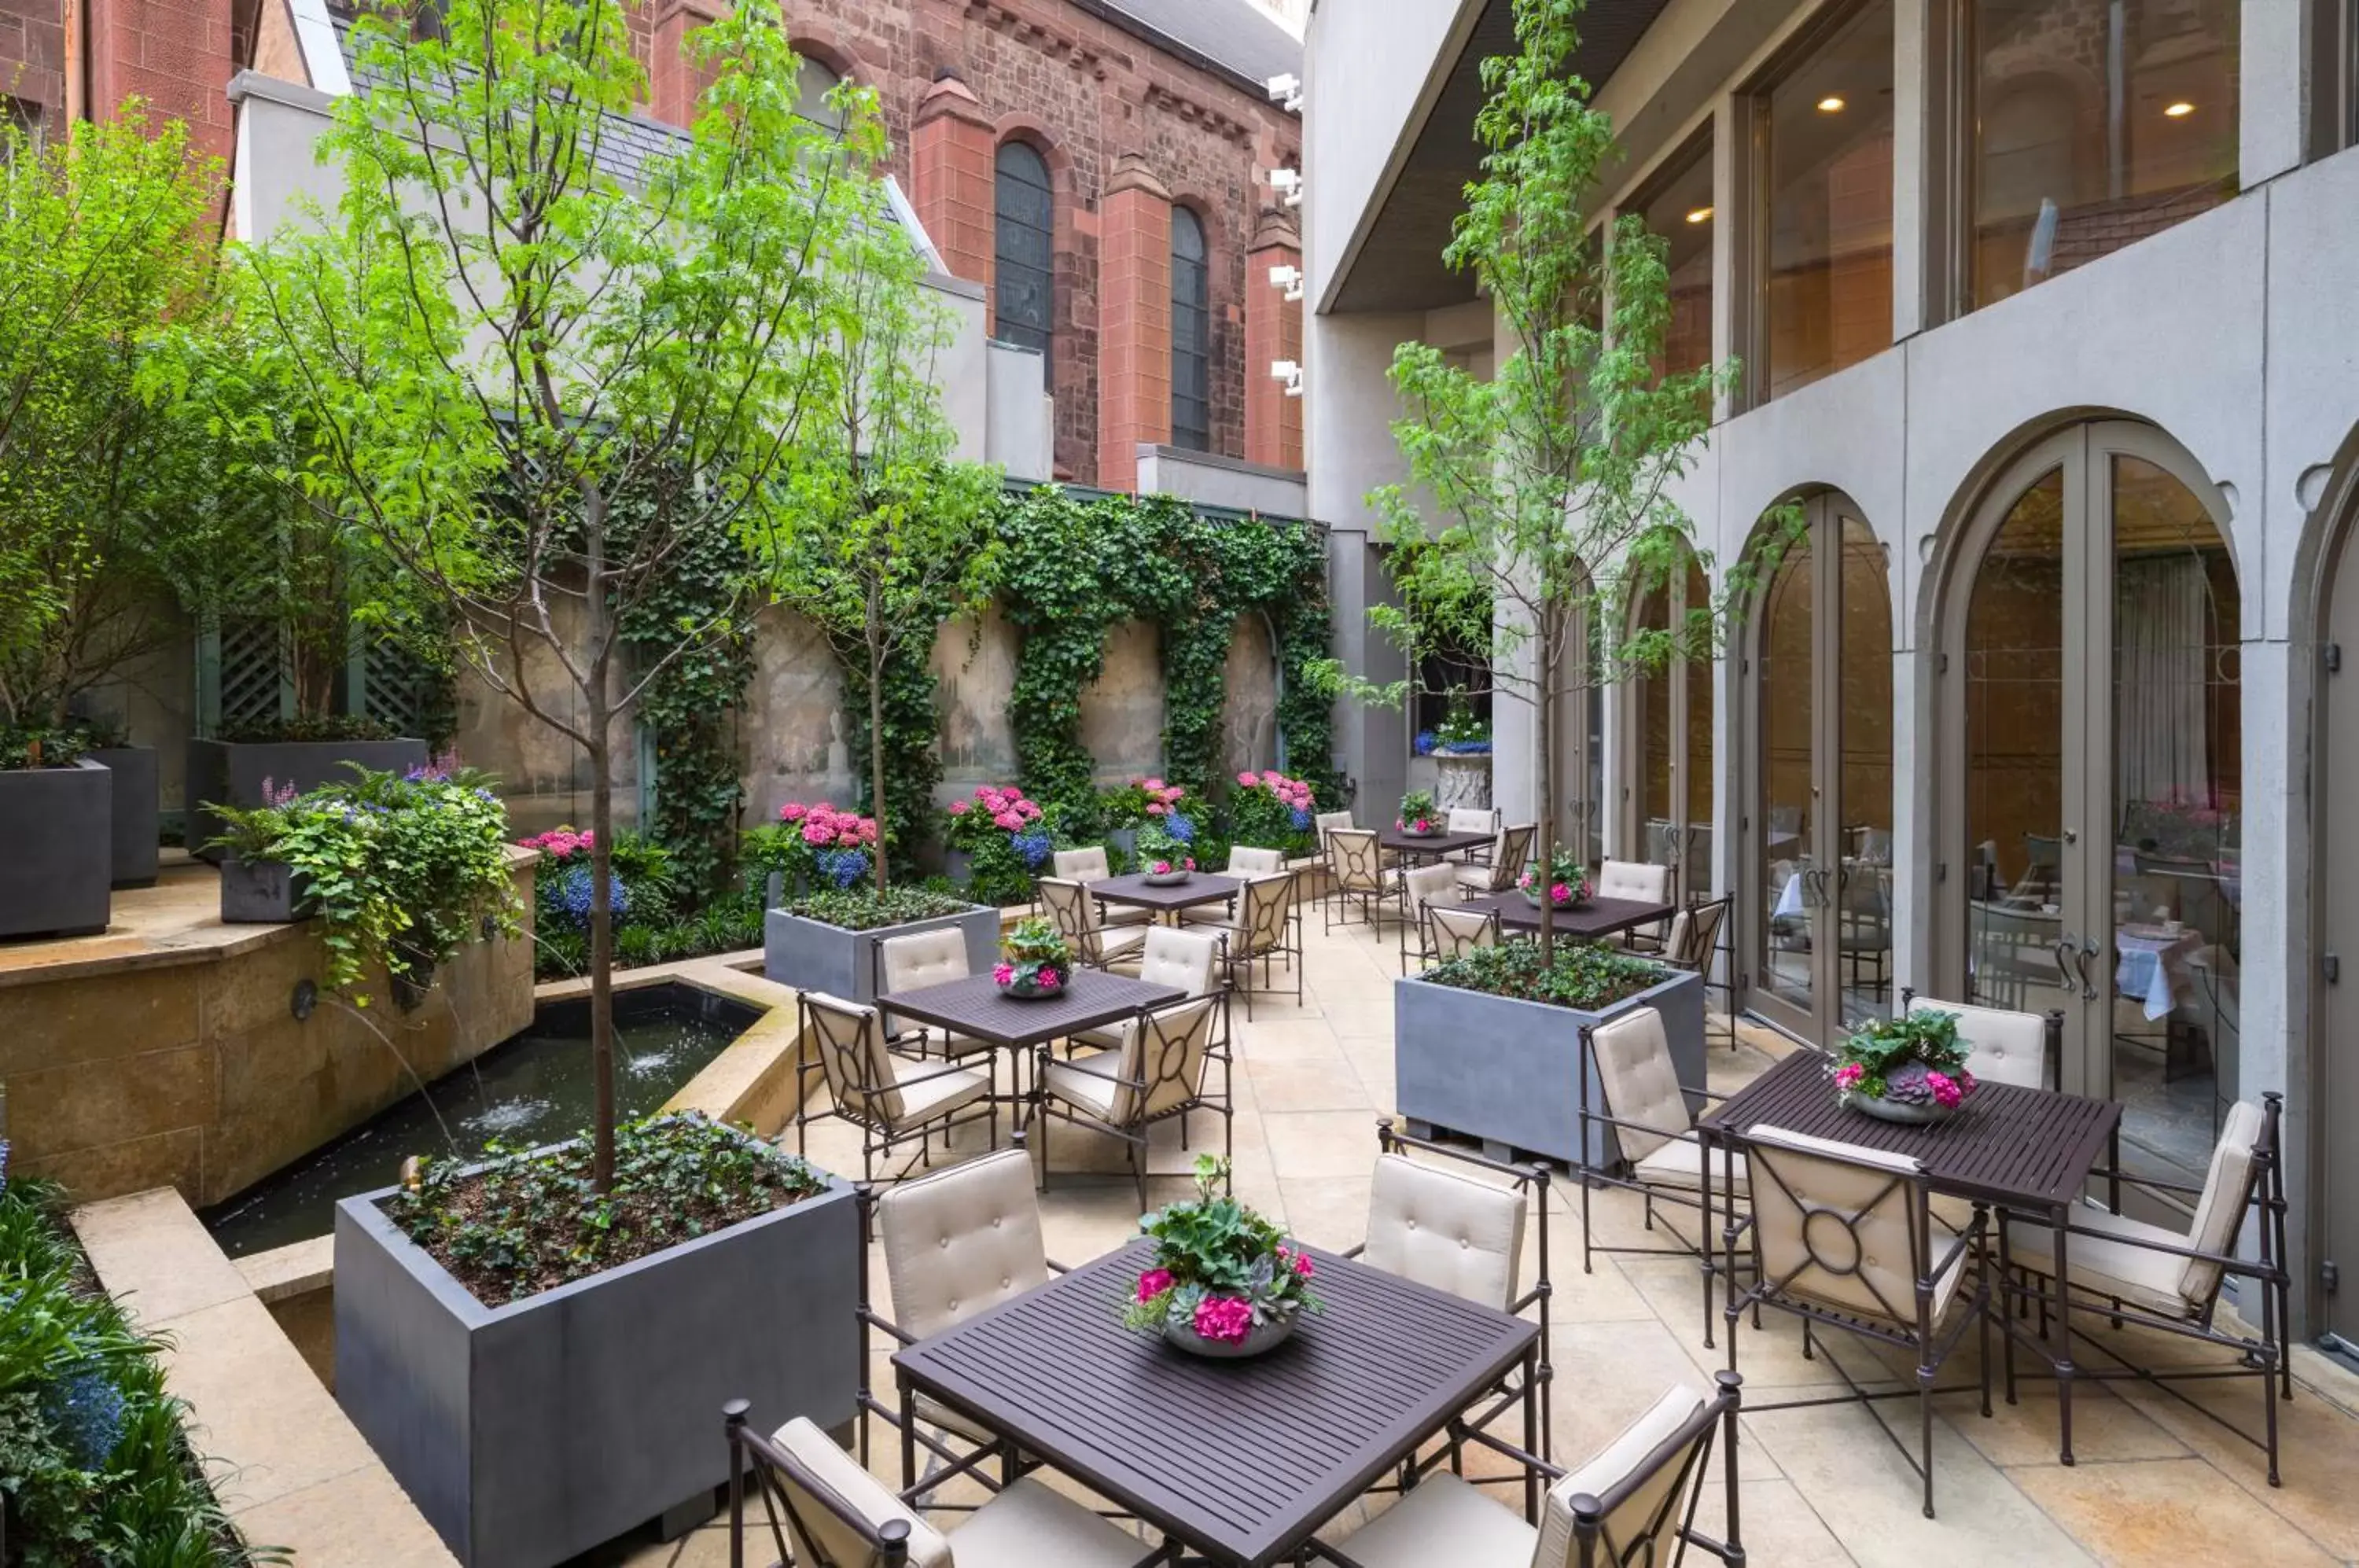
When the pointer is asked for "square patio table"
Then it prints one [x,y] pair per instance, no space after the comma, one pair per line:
[2030,1151]
[976,1007]
[1431,847]
[1601,918]
[1201,888]
[1241,1461]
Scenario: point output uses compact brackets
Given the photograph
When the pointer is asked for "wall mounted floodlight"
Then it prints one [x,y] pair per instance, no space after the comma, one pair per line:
[1289,278]
[1288,371]
[1286,91]
[1288,183]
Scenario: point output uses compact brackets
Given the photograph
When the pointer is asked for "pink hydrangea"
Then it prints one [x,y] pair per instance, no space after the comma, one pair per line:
[1247,780]
[1157,808]
[1224,1318]
[1008,820]
[815,831]
[1848,1076]
[793,812]
[1153,1283]
[1153,784]
[958,808]
[1272,776]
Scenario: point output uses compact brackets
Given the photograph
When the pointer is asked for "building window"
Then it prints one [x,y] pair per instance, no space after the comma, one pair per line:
[813,83]
[2090,127]
[1022,277]
[1192,334]
[1822,169]
[1676,206]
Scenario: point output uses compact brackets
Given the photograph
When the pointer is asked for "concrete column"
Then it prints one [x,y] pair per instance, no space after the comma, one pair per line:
[673,84]
[175,54]
[1135,319]
[1272,332]
[2274,90]
[1728,318]
[1912,192]
[950,146]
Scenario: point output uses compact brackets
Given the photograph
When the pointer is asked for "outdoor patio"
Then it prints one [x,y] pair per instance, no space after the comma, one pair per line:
[2154,1482]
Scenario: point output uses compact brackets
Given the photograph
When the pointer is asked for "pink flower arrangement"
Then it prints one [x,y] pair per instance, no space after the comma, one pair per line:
[1214,1238]
[1163,869]
[1848,1076]
[1297,1261]
[1226,1319]
[1153,1283]
[960,808]
[824,827]
[1003,974]
[559,842]
[1947,1092]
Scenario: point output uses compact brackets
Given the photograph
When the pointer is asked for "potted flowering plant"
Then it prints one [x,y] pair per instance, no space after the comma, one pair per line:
[814,846]
[1273,811]
[1143,802]
[1909,1069]
[997,843]
[1037,961]
[1419,815]
[1567,887]
[1164,858]
[1225,1282]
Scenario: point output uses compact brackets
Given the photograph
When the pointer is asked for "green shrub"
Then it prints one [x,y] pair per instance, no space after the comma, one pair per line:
[865,908]
[1585,974]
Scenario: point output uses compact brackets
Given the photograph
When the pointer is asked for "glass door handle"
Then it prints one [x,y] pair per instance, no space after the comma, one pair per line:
[2065,949]
[2088,955]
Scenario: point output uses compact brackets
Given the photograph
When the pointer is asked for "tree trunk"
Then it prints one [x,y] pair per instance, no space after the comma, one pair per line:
[602,946]
[1544,689]
[876,730]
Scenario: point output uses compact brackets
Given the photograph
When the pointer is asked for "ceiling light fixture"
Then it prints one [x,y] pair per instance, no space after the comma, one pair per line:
[1832,103]
[1700,215]
[2179,110]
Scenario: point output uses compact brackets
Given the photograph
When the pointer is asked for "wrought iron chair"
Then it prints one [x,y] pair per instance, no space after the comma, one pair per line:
[1079,922]
[1263,929]
[1655,1152]
[1471,819]
[1187,961]
[1694,946]
[821,1510]
[1448,1229]
[1451,932]
[1245,860]
[1089,863]
[1356,872]
[1632,1505]
[2005,1046]
[911,962]
[1157,1073]
[1642,880]
[1843,1237]
[1501,864]
[870,1087]
[1422,888]
[2127,1270]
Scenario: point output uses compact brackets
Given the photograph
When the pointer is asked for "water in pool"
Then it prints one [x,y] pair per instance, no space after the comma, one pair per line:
[534,1088]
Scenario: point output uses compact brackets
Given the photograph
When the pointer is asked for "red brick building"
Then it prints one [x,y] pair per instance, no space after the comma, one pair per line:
[1100,165]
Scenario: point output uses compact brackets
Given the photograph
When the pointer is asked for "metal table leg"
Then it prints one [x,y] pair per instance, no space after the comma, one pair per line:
[2060,1353]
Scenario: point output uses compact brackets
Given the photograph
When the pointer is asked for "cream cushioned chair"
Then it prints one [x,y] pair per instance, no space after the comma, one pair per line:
[1499,870]
[1452,933]
[833,1510]
[913,961]
[1423,888]
[1157,1072]
[1445,1230]
[1357,871]
[1469,819]
[1245,860]
[1185,960]
[1075,913]
[1265,931]
[1641,880]
[1088,864]
[2008,1046]
[873,1089]
[1652,1121]
[1325,822]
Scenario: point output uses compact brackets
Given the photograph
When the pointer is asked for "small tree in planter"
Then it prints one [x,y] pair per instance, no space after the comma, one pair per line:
[1548,483]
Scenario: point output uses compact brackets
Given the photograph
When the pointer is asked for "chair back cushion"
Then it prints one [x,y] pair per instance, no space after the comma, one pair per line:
[1704,921]
[1474,819]
[2227,1191]
[1509,852]
[1087,864]
[1458,931]
[1163,1059]
[1640,1081]
[1639,1480]
[851,1054]
[1444,1230]
[1255,861]
[1634,879]
[1326,822]
[960,1240]
[1261,919]
[1184,959]
[2008,1046]
[1070,905]
[1836,1225]
[1358,866]
[1437,883]
[829,1496]
[923,958]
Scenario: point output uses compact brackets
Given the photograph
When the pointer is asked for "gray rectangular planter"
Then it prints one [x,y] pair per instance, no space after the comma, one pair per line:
[134,767]
[57,849]
[261,893]
[1504,1071]
[529,1433]
[814,957]
[230,773]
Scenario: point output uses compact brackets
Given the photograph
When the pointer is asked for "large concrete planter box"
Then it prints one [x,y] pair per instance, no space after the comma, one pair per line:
[57,849]
[135,810]
[230,773]
[814,957]
[1506,1072]
[529,1433]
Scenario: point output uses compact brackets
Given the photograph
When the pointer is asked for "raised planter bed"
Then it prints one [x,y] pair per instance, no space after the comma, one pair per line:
[261,893]
[57,849]
[231,773]
[529,1433]
[1506,1070]
[810,956]
[135,810]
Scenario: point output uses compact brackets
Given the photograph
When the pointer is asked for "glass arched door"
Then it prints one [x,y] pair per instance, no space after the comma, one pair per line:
[2092,805]
[1668,739]
[1818,909]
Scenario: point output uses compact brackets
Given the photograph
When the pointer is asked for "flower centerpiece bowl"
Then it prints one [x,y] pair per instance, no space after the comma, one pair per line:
[1037,962]
[1224,1283]
[1419,817]
[1566,886]
[1910,1069]
[1164,859]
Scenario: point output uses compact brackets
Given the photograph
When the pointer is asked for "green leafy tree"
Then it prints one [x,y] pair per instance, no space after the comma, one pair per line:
[880,535]
[1538,500]
[530,376]
[100,492]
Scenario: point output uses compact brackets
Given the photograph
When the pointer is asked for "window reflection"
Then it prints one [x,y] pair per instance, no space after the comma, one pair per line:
[1677,206]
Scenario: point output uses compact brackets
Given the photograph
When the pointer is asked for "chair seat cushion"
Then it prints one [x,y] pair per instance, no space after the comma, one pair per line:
[1614,1463]
[1679,1163]
[1119,942]
[1442,1519]
[1124,915]
[929,1041]
[939,1094]
[1085,1083]
[2122,1262]
[1476,876]
[1207,915]
[866,1496]
[1028,1526]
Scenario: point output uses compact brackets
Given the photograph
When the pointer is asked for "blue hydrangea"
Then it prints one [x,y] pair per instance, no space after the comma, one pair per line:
[1425,742]
[3,1162]
[574,894]
[85,1410]
[1035,844]
[842,866]
[1181,828]
[1301,817]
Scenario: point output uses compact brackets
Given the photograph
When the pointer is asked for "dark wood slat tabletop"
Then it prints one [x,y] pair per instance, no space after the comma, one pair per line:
[976,1007]
[1598,917]
[1401,843]
[2006,1143]
[1242,1460]
[1202,887]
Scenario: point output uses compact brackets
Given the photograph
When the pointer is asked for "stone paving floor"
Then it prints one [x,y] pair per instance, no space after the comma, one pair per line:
[2155,1483]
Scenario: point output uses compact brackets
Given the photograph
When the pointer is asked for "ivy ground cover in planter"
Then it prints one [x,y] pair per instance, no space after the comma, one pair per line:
[541,1368]
[57,849]
[1489,1046]
[827,942]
